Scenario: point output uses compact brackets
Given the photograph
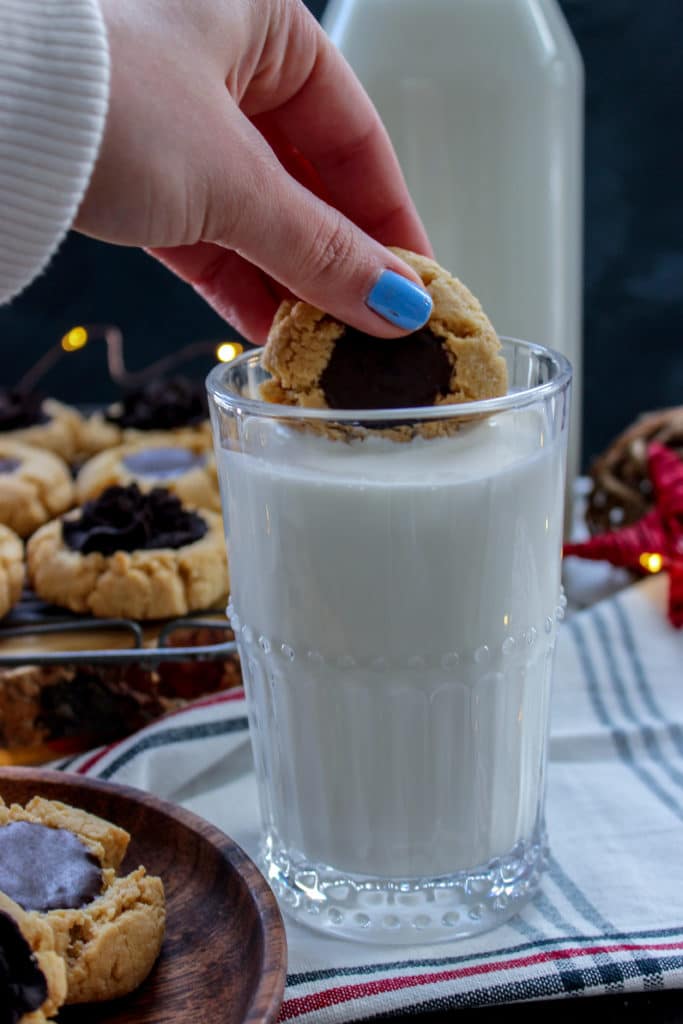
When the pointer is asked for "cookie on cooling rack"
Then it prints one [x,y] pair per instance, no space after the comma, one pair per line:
[35,486]
[186,468]
[49,711]
[59,863]
[166,411]
[131,554]
[11,569]
[41,422]
[318,362]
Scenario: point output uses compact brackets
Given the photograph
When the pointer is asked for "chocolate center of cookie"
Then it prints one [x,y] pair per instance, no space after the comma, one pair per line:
[19,410]
[9,465]
[23,987]
[386,373]
[162,463]
[161,405]
[45,868]
[125,519]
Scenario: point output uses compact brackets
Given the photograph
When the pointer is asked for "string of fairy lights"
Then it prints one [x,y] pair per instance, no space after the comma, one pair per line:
[76,339]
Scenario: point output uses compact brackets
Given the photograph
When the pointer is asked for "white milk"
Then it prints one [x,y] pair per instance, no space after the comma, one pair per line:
[394,605]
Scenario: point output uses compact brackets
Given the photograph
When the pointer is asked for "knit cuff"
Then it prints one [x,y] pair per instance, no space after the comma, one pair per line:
[54,85]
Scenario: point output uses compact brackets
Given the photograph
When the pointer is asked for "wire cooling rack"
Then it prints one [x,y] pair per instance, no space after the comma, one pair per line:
[149,644]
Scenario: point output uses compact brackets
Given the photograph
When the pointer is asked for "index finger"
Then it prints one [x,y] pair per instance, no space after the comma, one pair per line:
[332,122]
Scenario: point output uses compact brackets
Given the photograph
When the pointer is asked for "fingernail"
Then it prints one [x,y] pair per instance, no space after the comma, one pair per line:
[399,301]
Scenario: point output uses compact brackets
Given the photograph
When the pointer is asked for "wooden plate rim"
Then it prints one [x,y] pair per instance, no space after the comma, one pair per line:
[269,992]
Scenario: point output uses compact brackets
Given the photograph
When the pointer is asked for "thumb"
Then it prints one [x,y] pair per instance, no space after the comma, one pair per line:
[312,249]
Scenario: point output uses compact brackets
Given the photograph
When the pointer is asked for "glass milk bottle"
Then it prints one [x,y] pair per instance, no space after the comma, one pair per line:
[483,100]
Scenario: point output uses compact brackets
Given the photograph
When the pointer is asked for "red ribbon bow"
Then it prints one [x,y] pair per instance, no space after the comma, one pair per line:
[655,542]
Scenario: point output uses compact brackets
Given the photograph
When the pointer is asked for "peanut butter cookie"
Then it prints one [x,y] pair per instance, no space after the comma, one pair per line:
[185,467]
[32,974]
[35,486]
[166,411]
[41,422]
[11,569]
[49,710]
[318,362]
[60,863]
[141,556]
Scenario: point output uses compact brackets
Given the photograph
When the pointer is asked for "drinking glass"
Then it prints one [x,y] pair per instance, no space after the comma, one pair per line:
[395,597]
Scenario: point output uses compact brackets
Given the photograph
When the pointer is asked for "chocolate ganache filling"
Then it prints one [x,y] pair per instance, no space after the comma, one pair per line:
[125,519]
[44,868]
[23,987]
[162,463]
[19,409]
[161,405]
[386,373]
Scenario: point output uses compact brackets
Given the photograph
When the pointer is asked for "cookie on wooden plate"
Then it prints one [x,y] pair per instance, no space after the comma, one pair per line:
[32,974]
[59,863]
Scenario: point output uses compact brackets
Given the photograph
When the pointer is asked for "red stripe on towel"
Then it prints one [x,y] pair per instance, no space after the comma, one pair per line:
[292,1008]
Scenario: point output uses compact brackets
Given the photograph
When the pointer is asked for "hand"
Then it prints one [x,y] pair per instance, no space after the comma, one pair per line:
[226,118]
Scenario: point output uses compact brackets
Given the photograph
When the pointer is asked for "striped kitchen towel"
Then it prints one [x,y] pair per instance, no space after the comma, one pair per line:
[609,916]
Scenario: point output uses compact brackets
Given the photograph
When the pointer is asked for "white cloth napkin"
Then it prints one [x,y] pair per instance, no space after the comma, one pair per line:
[609,916]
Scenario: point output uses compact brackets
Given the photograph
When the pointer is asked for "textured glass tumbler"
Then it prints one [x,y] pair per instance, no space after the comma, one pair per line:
[395,597]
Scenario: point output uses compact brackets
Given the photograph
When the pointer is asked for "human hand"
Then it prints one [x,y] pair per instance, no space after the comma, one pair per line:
[210,101]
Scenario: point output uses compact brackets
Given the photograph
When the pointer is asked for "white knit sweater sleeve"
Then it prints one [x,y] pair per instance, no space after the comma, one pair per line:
[54,82]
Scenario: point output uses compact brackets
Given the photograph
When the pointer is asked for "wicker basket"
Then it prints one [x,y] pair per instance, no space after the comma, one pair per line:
[621,491]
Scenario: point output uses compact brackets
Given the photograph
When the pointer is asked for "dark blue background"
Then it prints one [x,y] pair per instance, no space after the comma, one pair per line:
[633,248]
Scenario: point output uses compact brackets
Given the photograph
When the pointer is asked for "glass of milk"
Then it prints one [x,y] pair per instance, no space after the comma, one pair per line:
[395,598]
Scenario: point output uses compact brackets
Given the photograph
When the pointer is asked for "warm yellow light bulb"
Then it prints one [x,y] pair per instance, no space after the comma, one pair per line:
[74,339]
[651,562]
[228,350]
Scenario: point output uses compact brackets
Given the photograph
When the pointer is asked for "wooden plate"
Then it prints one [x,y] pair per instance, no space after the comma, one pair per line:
[224,956]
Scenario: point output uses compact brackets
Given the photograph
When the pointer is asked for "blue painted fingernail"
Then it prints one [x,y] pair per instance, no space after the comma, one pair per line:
[400,301]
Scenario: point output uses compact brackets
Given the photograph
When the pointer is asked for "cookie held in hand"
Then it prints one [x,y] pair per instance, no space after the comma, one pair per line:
[318,362]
